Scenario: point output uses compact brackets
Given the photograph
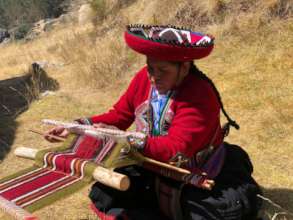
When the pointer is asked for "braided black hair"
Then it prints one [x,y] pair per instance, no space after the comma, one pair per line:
[200,74]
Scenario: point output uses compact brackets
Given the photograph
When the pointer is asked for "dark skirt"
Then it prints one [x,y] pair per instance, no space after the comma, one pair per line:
[232,198]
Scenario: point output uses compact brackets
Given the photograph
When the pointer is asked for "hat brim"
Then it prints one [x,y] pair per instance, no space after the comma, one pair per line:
[164,51]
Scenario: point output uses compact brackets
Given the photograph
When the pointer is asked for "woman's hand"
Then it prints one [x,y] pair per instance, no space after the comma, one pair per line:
[137,143]
[57,132]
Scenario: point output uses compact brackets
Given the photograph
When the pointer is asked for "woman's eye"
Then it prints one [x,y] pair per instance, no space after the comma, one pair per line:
[158,72]
[162,70]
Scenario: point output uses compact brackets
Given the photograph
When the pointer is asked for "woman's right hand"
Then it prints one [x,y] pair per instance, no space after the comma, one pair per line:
[58,131]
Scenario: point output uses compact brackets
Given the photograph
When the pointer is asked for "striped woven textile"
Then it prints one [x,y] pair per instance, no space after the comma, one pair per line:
[56,174]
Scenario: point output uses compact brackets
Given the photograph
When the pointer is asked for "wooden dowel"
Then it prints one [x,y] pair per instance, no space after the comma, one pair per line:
[110,178]
[26,152]
[165,165]
[144,159]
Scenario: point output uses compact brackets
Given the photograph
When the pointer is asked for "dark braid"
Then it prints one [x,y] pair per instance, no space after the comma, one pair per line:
[195,70]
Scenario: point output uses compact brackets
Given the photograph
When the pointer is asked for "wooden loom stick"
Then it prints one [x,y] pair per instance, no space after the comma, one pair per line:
[161,164]
[15,211]
[173,172]
[101,174]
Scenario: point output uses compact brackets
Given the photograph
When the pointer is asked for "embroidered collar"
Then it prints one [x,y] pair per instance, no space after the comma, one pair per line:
[159,103]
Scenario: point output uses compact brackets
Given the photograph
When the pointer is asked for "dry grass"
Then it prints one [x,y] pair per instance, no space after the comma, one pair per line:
[251,65]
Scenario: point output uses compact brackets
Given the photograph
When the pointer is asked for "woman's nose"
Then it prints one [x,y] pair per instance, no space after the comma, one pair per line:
[155,78]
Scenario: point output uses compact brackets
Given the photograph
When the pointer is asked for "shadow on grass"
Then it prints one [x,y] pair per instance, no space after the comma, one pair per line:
[277,204]
[16,94]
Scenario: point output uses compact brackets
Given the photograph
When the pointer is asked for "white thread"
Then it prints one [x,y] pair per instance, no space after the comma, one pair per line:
[81,129]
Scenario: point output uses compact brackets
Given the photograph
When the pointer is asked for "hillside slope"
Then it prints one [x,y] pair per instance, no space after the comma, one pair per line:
[16,12]
[252,66]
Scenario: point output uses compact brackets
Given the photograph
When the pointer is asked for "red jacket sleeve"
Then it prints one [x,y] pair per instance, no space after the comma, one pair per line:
[194,125]
[121,114]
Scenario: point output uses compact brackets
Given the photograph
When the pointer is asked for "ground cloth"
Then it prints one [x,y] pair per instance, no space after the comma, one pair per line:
[57,172]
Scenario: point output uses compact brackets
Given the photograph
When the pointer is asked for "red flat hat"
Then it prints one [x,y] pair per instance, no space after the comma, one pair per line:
[168,43]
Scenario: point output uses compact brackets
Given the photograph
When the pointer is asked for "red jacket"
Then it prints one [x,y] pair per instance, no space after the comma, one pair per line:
[191,123]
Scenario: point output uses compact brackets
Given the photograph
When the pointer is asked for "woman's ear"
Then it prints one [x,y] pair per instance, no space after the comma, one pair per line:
[185,68]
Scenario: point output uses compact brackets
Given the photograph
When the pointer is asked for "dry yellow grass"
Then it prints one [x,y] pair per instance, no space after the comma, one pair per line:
[252,66]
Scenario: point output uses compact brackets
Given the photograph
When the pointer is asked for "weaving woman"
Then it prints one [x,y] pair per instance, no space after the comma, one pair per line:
[178,107]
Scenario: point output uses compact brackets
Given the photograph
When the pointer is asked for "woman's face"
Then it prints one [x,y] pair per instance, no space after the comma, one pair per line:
[165,75]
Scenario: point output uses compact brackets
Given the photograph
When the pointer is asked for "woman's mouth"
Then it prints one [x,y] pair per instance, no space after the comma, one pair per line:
[159,85]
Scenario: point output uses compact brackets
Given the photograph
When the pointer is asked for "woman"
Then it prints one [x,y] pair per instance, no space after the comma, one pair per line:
[178,107]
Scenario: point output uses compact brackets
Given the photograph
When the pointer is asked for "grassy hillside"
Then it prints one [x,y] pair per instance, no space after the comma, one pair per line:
[251,65]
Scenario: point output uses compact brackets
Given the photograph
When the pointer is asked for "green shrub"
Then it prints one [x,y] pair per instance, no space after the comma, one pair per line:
[100,7]
[21,31]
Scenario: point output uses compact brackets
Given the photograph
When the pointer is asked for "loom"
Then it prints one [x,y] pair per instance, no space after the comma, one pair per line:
[89,154]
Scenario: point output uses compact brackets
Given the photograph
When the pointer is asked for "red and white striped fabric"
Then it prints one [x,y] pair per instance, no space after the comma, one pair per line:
[60,170]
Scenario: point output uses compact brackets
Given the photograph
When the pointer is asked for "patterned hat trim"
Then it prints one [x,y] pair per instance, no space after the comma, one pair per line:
[171,35]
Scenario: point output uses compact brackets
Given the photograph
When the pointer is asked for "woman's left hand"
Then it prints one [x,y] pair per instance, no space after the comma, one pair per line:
[137,143]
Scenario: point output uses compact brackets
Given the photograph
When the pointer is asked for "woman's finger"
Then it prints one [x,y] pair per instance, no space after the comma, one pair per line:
[57,130]
[64,134]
